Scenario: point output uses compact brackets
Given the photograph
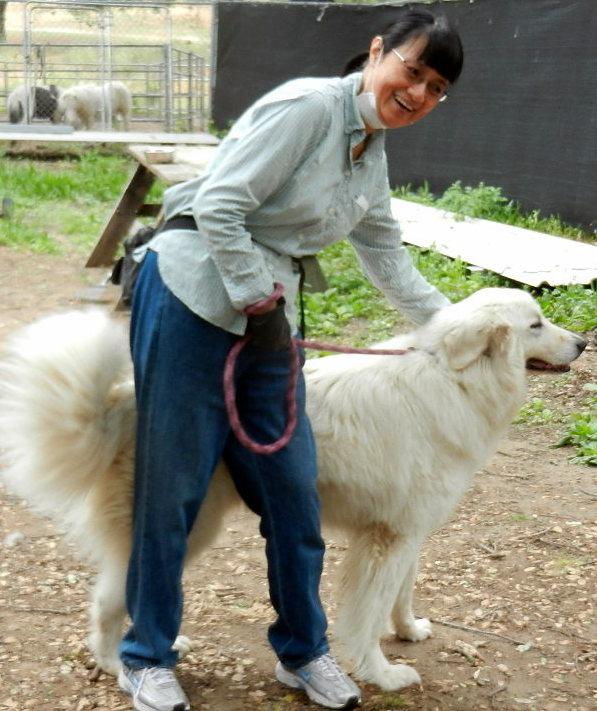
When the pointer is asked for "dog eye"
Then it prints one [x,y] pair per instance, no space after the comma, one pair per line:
[537,324]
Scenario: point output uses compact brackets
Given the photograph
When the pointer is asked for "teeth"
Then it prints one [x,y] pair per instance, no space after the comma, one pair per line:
[404,106]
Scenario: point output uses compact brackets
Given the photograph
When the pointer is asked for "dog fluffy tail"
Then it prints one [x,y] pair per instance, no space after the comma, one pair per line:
[65,407]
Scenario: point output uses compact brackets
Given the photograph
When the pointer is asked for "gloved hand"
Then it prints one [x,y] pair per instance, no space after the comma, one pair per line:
[270,331]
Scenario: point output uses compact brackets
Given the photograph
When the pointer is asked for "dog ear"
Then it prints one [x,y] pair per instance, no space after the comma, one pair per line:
[464,346]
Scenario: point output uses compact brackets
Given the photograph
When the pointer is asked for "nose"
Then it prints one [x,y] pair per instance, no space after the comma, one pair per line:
[417,91]
[581,344]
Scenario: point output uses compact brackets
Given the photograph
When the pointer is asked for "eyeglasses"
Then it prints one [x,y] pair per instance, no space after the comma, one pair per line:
[435,89]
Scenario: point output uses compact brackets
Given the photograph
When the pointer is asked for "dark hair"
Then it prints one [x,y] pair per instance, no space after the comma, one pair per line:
[443,51]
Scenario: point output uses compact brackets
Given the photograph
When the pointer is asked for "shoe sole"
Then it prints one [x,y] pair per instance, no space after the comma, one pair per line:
[125,685]
[289,679]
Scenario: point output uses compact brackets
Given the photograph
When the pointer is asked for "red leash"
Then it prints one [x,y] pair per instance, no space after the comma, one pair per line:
[230,393]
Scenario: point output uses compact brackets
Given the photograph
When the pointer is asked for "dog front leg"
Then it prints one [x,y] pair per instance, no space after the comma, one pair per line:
[377,562]
[405,624]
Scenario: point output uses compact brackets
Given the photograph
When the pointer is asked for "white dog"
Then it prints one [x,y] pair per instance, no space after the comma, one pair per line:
[43,103]
[81,105]
[399,439]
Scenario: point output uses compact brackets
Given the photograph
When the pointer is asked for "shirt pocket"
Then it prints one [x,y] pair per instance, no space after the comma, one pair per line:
[347,215]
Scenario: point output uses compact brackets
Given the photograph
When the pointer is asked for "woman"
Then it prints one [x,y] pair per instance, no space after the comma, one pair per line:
[301,168]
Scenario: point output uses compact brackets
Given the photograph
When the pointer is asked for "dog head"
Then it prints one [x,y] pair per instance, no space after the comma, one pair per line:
[506,323]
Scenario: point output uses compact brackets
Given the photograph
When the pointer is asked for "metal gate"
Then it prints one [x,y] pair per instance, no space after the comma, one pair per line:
[67,43]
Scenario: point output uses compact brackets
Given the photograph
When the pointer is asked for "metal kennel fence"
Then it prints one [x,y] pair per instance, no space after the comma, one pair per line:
[158,50]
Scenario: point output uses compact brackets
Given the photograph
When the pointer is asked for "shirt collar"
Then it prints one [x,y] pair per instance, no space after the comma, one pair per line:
[353,121]
[354,125]
[352,116]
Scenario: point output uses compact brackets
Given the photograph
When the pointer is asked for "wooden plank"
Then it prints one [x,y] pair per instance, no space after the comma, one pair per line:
[525,256]
[92,137]
[122,218]
[188,162]
[149,209]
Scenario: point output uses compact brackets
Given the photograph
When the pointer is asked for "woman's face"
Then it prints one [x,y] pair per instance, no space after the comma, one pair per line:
[405,89]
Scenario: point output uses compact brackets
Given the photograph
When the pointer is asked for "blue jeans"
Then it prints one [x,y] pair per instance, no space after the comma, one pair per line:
[182,433]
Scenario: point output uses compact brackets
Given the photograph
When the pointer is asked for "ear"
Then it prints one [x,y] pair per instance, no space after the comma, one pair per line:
[375,49]
[464,346]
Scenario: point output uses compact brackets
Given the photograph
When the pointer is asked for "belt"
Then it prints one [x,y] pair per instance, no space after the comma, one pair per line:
[178,222]
[311,276]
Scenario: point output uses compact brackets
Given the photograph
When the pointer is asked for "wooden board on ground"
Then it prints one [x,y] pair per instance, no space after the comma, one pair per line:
[525,256]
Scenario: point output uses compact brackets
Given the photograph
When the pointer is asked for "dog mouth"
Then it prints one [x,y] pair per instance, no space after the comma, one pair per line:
[538,364]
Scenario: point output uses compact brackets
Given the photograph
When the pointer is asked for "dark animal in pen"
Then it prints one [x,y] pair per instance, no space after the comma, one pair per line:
[42,104]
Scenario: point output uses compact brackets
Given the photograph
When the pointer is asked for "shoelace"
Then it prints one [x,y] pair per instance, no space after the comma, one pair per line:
[329,667]
[162,677]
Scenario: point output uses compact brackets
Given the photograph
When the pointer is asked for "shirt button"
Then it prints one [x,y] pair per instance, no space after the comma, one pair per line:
[347,173]
[332,211]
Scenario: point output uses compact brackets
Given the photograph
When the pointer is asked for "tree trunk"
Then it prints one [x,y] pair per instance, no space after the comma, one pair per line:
[3,5]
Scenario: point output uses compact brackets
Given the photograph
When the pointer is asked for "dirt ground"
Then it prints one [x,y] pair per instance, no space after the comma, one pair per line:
[512,575]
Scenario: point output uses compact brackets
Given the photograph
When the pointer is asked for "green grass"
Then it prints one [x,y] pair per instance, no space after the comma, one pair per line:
[519,517]
[62,204]
[90,175]
[350,296]
[536,412]
[581,431]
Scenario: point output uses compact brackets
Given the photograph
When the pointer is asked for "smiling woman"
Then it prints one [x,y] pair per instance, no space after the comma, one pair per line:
[408,70]
[301,169]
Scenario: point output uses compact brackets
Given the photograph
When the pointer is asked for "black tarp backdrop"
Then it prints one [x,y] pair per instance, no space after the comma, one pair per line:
[522,117]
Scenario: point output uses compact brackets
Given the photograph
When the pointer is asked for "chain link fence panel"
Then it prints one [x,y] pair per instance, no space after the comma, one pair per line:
[95,65]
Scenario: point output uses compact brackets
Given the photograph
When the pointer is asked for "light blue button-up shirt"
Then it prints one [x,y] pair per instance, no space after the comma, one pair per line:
[283,184]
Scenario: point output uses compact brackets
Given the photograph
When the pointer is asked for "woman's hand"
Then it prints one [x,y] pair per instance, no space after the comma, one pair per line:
[268,327]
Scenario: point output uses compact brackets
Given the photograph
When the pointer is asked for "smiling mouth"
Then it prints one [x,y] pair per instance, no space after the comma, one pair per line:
[402,104]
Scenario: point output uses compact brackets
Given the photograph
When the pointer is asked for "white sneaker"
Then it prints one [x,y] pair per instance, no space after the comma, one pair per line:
[323,681]
[153,689]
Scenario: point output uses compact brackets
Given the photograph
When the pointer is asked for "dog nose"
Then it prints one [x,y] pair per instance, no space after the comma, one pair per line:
[581,344]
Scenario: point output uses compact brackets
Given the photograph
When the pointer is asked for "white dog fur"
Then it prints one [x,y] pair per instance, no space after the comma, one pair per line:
[81,106]
[399,439]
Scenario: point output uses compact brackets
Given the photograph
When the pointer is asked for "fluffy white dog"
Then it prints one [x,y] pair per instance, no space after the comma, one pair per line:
[81,105]
[399,439]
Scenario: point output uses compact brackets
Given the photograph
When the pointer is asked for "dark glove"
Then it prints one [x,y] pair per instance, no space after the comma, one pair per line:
[270,331]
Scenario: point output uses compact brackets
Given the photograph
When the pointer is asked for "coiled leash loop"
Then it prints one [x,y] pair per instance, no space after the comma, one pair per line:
[230,392]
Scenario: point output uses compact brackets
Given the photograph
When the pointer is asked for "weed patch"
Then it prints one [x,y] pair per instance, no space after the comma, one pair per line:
[581,432]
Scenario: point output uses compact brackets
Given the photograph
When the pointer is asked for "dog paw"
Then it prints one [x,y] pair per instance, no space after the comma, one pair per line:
[417,631]
[107,665]
[182,645]
[394,677]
